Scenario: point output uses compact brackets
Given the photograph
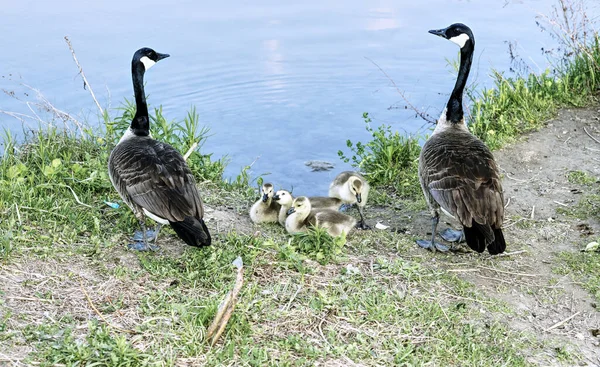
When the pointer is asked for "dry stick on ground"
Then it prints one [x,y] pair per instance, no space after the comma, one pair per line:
[590,135]
[562,322]
[87,296]
[227,306]
[421,114]
[85,82]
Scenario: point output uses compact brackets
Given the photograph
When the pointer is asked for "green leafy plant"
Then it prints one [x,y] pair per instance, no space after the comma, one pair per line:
[317,244]
[388,160]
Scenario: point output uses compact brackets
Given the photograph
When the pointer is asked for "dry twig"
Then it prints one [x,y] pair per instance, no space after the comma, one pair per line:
[562,322]
[227,306]
[421,114]
[85,82]
[590,135]
[87,296]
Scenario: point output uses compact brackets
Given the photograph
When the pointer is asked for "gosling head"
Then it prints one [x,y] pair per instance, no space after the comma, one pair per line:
[267,192]
[283,197]
[457,33]
[147,57]
[356,187]
[300,205]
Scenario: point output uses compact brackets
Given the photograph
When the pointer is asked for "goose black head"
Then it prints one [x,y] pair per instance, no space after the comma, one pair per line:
[148,57]
[457,33]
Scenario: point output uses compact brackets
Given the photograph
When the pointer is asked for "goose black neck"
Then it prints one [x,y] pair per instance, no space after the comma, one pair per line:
[454,109]
[140,123]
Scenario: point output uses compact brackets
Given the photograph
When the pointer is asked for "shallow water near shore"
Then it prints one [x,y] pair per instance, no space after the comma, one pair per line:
[277,84]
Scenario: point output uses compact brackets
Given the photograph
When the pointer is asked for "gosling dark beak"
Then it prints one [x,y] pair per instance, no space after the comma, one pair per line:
[161,56]
[265,198]
[358,198]
[291,210]
[276,197]
[439,32]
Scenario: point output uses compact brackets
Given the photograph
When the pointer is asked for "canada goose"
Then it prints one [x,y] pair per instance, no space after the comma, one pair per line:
[152,177]
[351,188]
[301,215]
[285,198]
[265,210]
[457,171]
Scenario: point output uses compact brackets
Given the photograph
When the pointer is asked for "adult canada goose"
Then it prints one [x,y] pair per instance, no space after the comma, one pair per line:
[152,177]
[352,188]
[301,215]
[265,210]
[457,171]
[285,198]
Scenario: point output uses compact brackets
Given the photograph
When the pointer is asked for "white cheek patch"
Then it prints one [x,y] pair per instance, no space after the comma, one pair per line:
[460,40]
[149,63]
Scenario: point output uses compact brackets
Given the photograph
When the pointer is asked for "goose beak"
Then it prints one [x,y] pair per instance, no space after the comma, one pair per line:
[276,197]
[439,32]
[265,198]
[161,56]
[291,210]
[358,198]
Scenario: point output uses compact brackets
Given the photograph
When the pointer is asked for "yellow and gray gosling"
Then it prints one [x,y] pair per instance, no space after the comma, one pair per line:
[152,177]
[265,210]
[351,188]
[301,215]
[457,171]
[285,198]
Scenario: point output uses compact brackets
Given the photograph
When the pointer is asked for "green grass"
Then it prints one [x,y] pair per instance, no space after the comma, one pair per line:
[581,178]
[582,267]
[386,313]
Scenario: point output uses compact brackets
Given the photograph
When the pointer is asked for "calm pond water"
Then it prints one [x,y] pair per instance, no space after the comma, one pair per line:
[279,84]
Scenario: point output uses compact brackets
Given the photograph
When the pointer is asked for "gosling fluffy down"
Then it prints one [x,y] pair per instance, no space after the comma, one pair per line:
[265,210]
[301,215]
[285,199]
[352,188]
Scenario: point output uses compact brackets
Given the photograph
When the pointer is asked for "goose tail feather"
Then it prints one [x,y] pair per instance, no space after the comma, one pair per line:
[192,231]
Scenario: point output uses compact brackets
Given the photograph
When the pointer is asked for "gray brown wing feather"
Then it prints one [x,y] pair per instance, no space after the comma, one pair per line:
[154,176]
[459,173]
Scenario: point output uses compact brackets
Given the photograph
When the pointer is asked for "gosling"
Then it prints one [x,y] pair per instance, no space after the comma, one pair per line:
[301,215]
[285,199]
[265,210]
[351,188]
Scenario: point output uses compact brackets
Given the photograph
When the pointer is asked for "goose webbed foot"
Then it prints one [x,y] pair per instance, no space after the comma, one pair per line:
[451,235]
[345,207]
[142,244]
[436,246]
[150,235]
[362,225]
